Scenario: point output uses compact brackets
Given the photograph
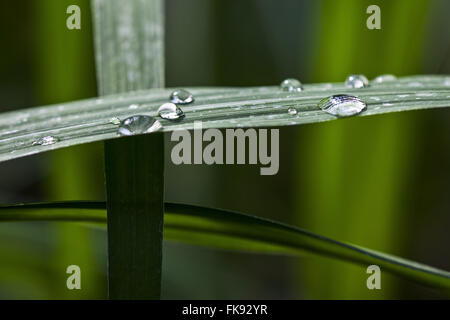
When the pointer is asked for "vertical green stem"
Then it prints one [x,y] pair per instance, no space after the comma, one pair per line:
[130,56]
[135,190]
[64,72]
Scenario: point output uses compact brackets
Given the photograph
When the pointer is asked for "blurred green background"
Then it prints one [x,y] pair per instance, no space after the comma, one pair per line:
[381,182]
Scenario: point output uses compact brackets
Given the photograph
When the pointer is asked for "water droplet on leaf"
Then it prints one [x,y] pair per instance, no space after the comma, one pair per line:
[170,111]
[342,105]
[385,78]
[45,141]
[181,96]
[138,124]
[356,81]
[291,85]
[292,111]
[114,120]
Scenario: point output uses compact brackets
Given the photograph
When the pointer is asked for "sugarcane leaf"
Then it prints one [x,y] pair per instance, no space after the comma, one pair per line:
[89,120]
[235,231]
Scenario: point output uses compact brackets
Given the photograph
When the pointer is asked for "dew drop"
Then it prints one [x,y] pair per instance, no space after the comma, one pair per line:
[181,96]
[114,120]
[342,105]
[291,85]
[45,141]
[292,111]
[356,81]
[385,78]
[170,111]
[137,125]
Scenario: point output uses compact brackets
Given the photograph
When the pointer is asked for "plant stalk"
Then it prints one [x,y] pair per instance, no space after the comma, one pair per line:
[134,169]
[129,56]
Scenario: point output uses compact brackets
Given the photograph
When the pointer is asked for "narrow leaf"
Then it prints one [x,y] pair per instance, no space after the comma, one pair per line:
[130,56]
[235,231]
[89,120]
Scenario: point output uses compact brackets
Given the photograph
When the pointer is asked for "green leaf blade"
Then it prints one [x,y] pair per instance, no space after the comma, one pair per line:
[89,120]
[235,231]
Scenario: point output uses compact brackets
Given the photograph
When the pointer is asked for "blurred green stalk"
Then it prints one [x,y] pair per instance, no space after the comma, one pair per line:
[351,172]
[65,72]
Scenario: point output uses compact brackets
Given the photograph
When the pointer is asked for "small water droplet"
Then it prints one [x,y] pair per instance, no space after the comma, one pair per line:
[133,106]
[181,96]
[356,81]
[292,111]
[138,124]
[170,111]
[114,120]
[45,141]
[385,78]
[291,85]
[342,105]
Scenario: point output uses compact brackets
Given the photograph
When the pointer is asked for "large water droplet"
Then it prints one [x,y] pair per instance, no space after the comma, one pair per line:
[137,125]
[181,96]
[385,78]
[342,105]
[291,85]
[170,111]
[356,81]
[292,111]
[45,141]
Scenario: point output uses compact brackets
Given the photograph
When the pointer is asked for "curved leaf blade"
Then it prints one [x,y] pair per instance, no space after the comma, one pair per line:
[235,231]
[89,120]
